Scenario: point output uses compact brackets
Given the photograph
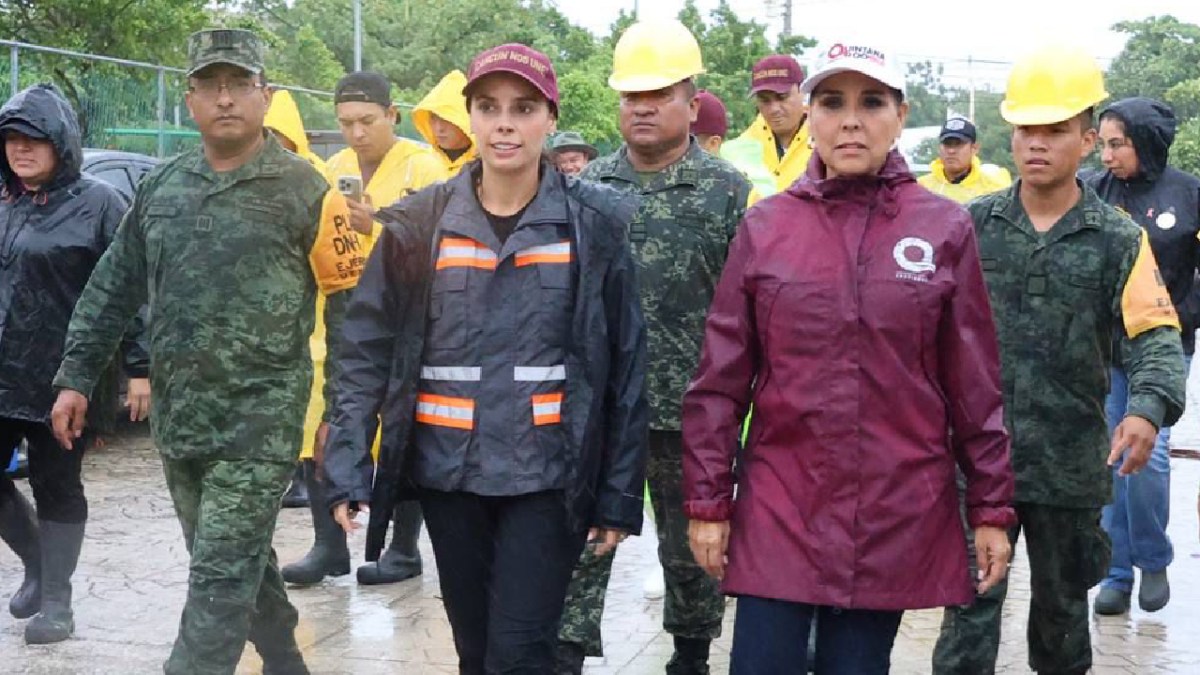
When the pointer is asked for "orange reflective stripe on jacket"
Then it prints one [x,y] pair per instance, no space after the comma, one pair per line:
[559,253]
[446,411]
[547,408]
[463,252]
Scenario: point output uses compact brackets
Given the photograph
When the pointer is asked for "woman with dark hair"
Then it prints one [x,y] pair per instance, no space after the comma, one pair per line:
[1135,144]
[852,313]
[497,332]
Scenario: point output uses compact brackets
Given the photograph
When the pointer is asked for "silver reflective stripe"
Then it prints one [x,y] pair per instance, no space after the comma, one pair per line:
[451,373]
[540,373]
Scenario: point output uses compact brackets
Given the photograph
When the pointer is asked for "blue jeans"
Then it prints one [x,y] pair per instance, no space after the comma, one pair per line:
[770,637]
[1136,520]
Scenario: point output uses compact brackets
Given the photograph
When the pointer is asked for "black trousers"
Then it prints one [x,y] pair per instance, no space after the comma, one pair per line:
[770,637]
[503,565]
[54,473]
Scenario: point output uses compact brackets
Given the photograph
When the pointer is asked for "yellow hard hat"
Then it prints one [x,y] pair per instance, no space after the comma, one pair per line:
[1051,85]
[655,54]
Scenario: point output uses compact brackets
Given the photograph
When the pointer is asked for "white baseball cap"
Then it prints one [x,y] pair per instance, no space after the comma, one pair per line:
[842,57]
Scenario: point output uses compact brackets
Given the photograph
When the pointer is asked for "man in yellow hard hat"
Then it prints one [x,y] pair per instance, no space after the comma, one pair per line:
[958,173]
[442,119]
[1066,272]
[781,128]
[691,203]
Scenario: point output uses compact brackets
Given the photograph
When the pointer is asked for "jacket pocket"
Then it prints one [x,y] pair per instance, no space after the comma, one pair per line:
[448,311]
[554,301]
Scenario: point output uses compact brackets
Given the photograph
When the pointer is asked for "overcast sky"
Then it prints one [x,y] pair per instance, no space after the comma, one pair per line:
[918,29]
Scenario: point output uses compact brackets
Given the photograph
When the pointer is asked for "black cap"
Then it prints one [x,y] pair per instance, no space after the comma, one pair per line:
[958,127]
[24,128]
[364,87]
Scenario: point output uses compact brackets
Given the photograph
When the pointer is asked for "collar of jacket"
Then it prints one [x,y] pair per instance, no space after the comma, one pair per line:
[684,172]
[463,211]
[883,186]
[265,163]
[1086,213]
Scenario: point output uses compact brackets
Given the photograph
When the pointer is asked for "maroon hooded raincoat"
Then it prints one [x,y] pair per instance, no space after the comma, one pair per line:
[852,312]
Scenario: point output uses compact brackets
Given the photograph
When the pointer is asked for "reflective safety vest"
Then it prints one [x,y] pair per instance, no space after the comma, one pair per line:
[493,375]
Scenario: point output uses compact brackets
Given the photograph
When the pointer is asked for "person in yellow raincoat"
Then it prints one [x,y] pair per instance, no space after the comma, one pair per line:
[284,121]
[389,168]
[957,173]
[442,119]
[781,128]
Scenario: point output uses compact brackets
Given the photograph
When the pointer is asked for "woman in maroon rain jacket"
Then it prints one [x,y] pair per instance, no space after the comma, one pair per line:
[852,313]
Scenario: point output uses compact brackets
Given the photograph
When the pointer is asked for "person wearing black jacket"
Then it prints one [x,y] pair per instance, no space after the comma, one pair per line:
[55,224]
[1136,136]
[498,334]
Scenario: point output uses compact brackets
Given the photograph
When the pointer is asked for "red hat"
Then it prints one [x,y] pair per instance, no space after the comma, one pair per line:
[777,73]
[711,118]
[525,62]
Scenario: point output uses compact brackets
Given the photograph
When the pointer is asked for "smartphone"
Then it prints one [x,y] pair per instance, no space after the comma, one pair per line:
[351,187]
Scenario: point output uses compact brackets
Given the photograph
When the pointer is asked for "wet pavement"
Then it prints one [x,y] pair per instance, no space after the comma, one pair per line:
[132,579]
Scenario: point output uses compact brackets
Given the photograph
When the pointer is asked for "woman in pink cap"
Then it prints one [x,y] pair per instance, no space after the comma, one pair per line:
[852,313]
[498,333]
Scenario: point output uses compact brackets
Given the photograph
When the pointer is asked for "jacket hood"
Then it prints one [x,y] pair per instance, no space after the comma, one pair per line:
[815,186]
[283,116]
[44,108]
[446,100]
[1151,126]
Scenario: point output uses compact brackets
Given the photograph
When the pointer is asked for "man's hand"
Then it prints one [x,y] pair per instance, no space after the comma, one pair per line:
[1138,436]
[992,553]
[344,516]
[319,444]
[709,542]
[137,398]
[605,540]
[68,417]
[362,215]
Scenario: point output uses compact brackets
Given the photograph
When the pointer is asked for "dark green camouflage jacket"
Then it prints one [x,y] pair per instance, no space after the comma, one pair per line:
[223,260]
[680,237]
[1056,297]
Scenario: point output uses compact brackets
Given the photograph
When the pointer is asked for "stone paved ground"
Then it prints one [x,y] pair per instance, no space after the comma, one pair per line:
[132,581]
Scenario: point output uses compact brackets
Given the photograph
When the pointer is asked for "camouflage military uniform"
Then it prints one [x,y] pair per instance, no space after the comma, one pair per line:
[230,264]
[1056,297]
[679,236]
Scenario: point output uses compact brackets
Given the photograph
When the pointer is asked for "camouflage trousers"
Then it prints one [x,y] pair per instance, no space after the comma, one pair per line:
[693,606]
[1068,554]
[228,509]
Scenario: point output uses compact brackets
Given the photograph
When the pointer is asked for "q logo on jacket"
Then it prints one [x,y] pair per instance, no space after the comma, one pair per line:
[915,267]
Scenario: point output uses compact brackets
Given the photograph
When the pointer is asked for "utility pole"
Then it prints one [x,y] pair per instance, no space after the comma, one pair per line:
[357,35]
[787,18]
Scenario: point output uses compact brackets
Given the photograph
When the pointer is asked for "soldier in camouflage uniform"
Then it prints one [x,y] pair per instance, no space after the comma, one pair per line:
[1063,269]
[691,203]
[229,243]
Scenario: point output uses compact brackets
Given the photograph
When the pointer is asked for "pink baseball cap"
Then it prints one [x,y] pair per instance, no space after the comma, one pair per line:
[525,62]
[711,118]
[777,73]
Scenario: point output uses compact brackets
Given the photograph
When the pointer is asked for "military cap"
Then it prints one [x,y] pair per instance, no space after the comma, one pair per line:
[572,140]
[240,48]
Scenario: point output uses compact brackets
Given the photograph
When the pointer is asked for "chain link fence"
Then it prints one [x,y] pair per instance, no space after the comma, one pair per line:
[129,105]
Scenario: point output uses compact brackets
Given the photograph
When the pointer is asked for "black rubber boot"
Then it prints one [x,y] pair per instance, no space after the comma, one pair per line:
[329,556]
[402,559]
[296,496]
[568,659]
[19,530]
[60,544]
[690,657]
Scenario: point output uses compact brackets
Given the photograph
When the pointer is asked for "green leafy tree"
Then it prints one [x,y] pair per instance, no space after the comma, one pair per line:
[154,31]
